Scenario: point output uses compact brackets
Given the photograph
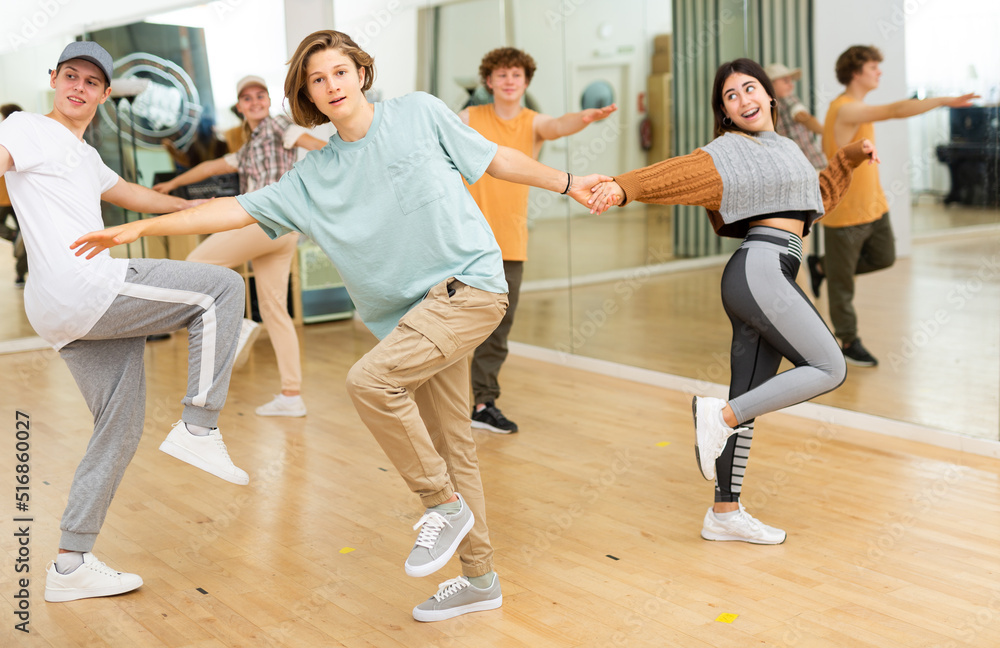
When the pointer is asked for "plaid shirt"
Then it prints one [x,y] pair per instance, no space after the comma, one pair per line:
[798,133]
[264,158]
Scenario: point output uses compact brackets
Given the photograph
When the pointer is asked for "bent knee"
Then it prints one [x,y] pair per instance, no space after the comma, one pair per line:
[361,383]
[836,371]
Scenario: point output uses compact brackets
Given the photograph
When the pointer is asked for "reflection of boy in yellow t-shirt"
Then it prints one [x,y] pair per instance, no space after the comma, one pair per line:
[506,73]
[857,233]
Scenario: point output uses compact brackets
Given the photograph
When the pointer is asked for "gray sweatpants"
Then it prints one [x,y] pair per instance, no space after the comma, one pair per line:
[159,296]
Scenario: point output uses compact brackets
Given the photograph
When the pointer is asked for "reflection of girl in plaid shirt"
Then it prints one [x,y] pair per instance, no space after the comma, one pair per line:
[264,158]
[796,131]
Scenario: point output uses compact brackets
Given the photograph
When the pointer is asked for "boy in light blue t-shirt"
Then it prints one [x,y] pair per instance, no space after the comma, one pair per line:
[385,200]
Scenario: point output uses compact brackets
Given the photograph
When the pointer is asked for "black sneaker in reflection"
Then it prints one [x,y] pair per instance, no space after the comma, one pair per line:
[856,354]
[492,419]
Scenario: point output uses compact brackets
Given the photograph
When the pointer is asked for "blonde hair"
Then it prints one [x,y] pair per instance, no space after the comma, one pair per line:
[304,111]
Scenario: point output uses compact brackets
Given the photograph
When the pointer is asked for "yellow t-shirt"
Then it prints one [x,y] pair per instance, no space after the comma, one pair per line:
[505,204]
[864,201]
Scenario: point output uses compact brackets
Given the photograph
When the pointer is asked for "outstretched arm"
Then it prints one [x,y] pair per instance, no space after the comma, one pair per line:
[201,172]
[216,215]
[858,112]
[550,128]
[137,198]
[513,166]
[685,180]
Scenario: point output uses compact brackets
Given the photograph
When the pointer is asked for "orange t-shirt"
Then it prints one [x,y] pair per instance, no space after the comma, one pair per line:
[505,204]
[4,197]
[864,201]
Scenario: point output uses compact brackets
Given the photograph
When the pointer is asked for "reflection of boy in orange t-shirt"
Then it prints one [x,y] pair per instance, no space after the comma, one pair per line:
[857,233]
[506,73]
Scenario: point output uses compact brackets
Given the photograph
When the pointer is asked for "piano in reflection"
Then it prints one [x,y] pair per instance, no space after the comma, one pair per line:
[973,156]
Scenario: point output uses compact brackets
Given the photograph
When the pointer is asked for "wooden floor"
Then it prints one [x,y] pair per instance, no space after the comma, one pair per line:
[595,510]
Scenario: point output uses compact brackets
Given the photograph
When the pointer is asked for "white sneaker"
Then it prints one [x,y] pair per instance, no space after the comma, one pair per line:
[283,406]
[741,527]
[206,452]
[249,331]
[711,432]
[92,578]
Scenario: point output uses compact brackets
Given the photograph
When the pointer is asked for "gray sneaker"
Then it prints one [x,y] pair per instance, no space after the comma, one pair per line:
[458,596]
[439,537]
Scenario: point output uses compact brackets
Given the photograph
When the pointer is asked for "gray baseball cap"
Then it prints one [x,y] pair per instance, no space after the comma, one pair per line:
[89,51]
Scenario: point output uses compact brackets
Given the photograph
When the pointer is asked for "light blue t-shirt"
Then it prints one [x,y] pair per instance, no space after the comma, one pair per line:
[390,210]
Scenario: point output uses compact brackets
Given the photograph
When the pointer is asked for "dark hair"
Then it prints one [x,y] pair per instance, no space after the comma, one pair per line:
[9,109]
[739,66]
[853,59]
[304,111]
[506,57]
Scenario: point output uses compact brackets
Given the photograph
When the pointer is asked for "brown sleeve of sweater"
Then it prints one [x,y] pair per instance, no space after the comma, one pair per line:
[836,177]
[686,180]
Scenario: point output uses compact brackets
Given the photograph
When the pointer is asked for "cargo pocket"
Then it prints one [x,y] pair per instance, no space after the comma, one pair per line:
[424,322]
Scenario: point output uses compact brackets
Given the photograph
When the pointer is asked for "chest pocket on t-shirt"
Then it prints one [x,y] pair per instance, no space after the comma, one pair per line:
[417,179]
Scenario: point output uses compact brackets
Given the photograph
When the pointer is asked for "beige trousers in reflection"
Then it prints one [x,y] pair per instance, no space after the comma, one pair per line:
[412,391]
[272,260]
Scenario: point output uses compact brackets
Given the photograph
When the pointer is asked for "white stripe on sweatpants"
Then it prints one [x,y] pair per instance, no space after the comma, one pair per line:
[209,331]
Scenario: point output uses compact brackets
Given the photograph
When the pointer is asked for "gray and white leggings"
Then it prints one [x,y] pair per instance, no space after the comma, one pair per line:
[159,296]
[772,319]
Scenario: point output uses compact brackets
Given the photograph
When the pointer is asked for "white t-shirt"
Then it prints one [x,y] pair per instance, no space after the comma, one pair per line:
[55,188]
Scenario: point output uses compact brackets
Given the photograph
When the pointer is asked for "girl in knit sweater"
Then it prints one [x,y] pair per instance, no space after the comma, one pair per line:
[758,186]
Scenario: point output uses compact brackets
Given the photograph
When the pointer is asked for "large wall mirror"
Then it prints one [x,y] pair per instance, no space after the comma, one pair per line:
[640,286]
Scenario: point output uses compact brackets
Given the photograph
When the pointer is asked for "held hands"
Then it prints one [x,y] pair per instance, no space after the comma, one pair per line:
[605,194]
[868,148]
[591,115]
[580,189]
[97,242]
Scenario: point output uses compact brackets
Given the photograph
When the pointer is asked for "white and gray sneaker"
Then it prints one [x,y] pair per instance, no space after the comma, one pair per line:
[282,405]
[91,579]
[740,527]
[206,452]
[439,537]
[458,596]
[711,432]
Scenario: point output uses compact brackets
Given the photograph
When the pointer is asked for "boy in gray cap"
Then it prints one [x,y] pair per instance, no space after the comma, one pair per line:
[97,315]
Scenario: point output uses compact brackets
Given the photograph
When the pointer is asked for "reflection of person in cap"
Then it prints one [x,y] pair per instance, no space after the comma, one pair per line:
[794,121]
[98,313]
[268,153]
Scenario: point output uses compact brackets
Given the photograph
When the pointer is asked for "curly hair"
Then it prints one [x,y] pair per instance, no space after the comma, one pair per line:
[506,57]
[304,112]
[853,59]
